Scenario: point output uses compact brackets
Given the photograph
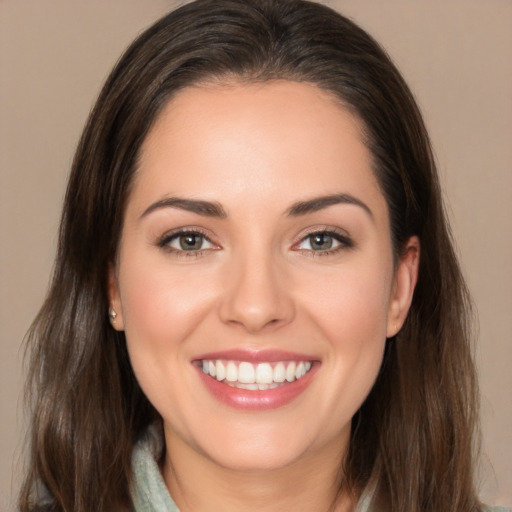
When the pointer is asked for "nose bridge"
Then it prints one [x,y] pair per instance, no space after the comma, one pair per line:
[255,293]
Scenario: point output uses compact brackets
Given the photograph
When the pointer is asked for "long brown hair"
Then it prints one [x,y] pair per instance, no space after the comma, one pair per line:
[413,436]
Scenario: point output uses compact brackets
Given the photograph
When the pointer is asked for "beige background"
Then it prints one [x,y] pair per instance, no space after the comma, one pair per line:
[457,57]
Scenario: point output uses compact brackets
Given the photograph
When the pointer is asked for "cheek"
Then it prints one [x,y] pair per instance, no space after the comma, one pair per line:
[351,303]
[161,309]
[350,311]
[162,305]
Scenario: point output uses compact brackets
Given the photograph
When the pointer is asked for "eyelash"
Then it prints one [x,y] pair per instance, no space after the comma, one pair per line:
[343,240]
[165,240]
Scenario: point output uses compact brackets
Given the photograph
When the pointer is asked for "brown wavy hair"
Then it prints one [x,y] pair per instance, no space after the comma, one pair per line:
[413,436]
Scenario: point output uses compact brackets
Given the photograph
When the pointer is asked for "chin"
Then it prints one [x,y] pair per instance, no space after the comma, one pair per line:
[249,459]
[266,448]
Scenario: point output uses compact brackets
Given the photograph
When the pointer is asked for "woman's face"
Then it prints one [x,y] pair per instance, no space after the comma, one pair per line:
[255,280]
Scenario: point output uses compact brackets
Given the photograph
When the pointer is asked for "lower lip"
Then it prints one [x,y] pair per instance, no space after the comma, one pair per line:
[257,400]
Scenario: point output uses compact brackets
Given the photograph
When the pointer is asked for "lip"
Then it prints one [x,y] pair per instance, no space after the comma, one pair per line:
[256,356]
[257,400]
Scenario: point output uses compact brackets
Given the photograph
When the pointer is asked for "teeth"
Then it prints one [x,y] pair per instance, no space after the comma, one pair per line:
[246,373]
[264,374]
[290,372]
[280,372]
[260,376]
[300,370]
[252,387]
[220,370]
[231,372]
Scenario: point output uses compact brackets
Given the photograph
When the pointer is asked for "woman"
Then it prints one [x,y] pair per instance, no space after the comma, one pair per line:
[256,304]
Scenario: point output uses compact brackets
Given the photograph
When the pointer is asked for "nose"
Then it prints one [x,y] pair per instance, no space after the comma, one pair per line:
[256,295]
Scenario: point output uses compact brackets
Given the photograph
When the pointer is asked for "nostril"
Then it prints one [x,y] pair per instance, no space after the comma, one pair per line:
[255,296]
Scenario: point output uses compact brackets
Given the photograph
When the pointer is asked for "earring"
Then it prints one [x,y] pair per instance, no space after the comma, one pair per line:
[112,314]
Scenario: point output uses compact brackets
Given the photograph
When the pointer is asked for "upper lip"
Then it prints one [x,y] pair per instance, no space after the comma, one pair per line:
[256,356]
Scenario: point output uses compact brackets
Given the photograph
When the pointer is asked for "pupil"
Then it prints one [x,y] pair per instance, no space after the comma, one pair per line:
[190,242]
[321,241]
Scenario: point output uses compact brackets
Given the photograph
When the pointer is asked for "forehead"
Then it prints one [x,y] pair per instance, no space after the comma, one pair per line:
[286,137]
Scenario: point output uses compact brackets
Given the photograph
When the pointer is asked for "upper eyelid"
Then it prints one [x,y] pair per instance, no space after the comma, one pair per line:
[184,230]
[322,229]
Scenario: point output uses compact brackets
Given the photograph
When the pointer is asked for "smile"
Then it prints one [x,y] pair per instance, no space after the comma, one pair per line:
[256,380]
[255,377]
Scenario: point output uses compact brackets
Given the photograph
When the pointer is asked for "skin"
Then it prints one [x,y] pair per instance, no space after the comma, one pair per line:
[257,284]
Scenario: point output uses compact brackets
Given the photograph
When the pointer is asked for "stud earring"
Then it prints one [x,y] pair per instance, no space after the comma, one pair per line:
[112,314]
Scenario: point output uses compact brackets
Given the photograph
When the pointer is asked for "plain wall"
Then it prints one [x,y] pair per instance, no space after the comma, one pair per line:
[457,57]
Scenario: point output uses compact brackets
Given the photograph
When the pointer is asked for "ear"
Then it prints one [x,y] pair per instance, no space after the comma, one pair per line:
[406,276]
[114,300]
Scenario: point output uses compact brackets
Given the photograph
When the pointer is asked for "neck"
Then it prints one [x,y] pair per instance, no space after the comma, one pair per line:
[199,484]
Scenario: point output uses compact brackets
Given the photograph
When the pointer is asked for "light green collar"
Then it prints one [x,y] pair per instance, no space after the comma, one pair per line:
[150,493]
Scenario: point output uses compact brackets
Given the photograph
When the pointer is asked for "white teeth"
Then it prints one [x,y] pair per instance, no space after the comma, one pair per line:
[220,370]
[264,373]
[280,372]
[300,371]
[231,372]
[290,372]
[252,387]
[246,373]
[251,376]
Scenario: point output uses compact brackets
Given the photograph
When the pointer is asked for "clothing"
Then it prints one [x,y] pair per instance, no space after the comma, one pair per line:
[149,491]
[151,495]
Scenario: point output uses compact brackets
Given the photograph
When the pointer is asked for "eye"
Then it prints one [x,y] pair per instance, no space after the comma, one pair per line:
[190,241]
[324,242]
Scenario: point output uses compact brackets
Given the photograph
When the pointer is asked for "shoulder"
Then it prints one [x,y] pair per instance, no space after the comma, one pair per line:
[497,509]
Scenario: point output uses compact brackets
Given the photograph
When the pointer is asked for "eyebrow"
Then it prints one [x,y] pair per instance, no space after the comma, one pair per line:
[214,209]
[319,203]
[205,208]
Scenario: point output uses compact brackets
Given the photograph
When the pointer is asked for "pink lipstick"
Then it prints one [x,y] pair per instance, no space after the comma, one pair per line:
[256,380]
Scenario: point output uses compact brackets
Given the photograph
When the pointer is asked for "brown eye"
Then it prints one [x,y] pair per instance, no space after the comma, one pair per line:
[191,241]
